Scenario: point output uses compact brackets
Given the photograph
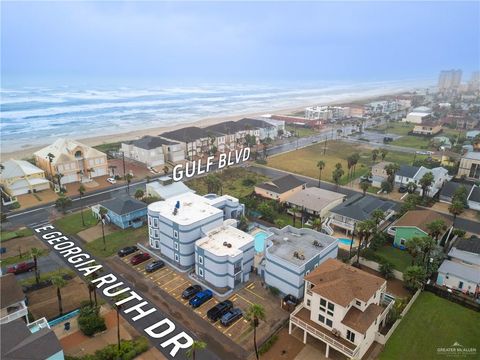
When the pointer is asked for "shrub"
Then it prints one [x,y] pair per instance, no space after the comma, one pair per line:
[89,321]
[267,345]
[369,254]
[150,199]
[378,241]
[413,277]
[261,161]
[129,349]
[386,269]
[248,182]
[274,291]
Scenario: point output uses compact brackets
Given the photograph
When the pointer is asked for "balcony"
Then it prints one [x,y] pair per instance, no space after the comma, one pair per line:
[301,318]
[13,312]
[341,224]
[38,325]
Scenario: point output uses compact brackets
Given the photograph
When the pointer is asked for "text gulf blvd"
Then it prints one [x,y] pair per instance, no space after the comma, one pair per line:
[193,168]
[135,306]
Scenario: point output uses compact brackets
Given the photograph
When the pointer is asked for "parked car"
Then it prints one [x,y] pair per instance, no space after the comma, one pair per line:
[365,179]
[200,298]
[218,310]
[111,180]
[402,189]
[139,258]
[127,251]
[21,268]
[191,291]
[153,266]
[230,316]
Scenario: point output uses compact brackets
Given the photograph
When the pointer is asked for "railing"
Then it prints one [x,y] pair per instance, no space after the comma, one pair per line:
[38,324]
[14,315]
[320,335]
[342,224]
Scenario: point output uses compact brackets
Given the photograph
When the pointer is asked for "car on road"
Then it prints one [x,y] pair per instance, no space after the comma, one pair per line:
[191,291]
[154,266]
[139,258]
[230,316]
[111,180]
[127,251]
[218,310]
[21,268]
[200,298]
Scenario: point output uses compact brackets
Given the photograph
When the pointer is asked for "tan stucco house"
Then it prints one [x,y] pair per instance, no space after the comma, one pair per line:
[280,189]
[75,161]
[20,177]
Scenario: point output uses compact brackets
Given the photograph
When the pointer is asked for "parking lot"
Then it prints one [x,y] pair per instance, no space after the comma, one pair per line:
[174,282]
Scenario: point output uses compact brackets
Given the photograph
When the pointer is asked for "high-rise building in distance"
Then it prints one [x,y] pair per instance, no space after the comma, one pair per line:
[449,80]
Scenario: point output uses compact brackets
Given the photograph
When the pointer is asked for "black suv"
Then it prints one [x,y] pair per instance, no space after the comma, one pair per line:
[127,251]
[190,291]
[218,310]
[155,265]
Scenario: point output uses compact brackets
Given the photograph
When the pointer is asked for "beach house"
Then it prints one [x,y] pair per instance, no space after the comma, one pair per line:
[165,188]
[20,177]
[71,161]
[123,211]
[281,188]
[408,173]
[469,167]
[343,307]
[151,150]
[315,201]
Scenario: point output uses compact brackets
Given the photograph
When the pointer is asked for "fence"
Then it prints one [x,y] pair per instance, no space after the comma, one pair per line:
[376,266]
[382,339]
[452,296]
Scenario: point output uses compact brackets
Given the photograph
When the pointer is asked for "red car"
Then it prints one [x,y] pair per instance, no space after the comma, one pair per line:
[139,258]
[21,268]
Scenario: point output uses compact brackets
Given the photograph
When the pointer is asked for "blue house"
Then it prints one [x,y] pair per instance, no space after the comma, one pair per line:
[124,211]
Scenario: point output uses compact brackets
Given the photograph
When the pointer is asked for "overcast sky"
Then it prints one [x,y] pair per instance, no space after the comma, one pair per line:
[128,42]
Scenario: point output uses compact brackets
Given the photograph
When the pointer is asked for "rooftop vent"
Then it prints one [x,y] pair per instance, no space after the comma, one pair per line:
[299,256]
[316,243]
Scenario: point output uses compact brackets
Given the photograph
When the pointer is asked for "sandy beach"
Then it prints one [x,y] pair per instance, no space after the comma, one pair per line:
[136,134]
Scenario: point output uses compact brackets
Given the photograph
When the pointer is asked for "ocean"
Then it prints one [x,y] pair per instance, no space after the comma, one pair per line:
[32,116]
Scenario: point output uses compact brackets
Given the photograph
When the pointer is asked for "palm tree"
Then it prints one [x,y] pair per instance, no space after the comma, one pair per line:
[320,166]
[35,254]
[456,208]
[411,187]
[364,185]
[377,216]
[337,173]
[254,314]
[50,158]
[59,177]
[383,153]
[391,169]
[294,214]
[59,282]
[317,223]
[139,193]
[374,154]
[112,170]
[436,228]
[81,191]
[425,182]
[128,178]
[197,345]
[90,171]
[103,212]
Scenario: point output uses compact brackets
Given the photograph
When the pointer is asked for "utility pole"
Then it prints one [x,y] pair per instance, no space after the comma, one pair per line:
[123,161]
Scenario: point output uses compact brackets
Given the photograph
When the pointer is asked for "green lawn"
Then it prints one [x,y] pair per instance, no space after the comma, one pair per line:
[232,180]
[72,224]
[400,259]
[8,235]
[116,241]
[431,323]
[416,142]
[304,161]
[397,128]
[115,146]
[46,276]
[300,131]
[25,258]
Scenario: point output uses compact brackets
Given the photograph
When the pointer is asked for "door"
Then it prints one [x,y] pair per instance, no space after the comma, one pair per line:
[460,284]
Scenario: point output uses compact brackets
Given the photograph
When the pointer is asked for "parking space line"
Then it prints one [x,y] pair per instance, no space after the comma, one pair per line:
[250,291]
[236,322]
[241,297]
[158,278]
[186,281]
[154,276]
[168,282]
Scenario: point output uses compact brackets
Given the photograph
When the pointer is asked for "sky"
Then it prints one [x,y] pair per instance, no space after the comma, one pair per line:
[188,42]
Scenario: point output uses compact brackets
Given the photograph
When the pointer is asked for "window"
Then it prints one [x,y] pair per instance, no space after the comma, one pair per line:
[177,259]
[402,241]
[175,234]
[149,221]
[315,266]
[155,233]
[460,284]
[175,245]
[307,272]
[323,302]
[200,272]
[350,336]
[359,303]
[331,306]
[155,222]
[321,318]
[328,322]
[308,302]
[200,259]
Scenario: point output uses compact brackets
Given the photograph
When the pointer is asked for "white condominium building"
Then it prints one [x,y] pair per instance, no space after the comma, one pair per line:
[224,257]
[177,222]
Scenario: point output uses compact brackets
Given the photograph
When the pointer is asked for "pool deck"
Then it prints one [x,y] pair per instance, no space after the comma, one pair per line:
[341,235]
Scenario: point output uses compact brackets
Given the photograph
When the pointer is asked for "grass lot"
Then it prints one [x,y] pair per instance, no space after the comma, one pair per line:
[400,259]
[116,241]
[8,235]
[301,131]
[72,224]
[431,323]
[46,276]
[304,161]
[232,180]
[115,146]
[397,128]
[416,142]
[26,256]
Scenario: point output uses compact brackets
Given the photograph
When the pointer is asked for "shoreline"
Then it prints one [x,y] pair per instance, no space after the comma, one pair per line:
[154,131]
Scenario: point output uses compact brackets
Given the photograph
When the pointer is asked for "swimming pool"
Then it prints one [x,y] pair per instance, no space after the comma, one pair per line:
[345,241]
[260,237]
[64,317]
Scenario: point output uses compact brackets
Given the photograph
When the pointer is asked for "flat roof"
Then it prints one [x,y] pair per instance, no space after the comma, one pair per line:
[217,239]
[314,198]
[193,208]
[287,241]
